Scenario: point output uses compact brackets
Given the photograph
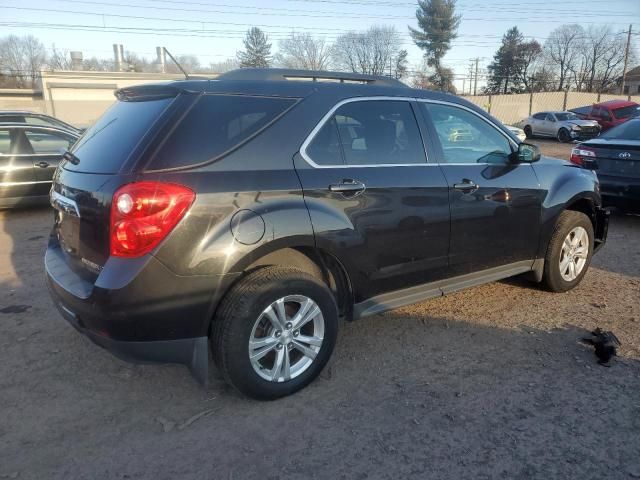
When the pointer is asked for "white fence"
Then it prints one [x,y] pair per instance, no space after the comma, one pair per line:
[510,109]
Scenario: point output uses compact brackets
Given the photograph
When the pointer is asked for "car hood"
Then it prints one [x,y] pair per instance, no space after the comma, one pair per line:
[581,123]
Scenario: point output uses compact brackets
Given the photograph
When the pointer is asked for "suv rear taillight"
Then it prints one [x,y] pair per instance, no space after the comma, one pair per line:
[143,214]
[578,154]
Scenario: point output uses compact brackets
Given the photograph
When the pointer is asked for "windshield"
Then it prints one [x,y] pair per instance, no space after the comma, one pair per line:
[627,131]
[626,112]
[563,117]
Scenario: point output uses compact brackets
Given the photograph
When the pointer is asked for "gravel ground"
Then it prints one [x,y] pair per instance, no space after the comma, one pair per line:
[487,383]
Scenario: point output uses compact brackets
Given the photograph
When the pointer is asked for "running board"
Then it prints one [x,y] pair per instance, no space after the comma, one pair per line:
[408,296]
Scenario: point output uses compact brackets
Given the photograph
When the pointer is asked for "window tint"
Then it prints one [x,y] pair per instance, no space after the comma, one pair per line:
[216,124]
[106,146]
[539,116]
[466,138]
[372,133]
[550,117]
[568,116]
[627,131]
[626,112]
[5,142]
[325,147]
[44,142]
[604,113]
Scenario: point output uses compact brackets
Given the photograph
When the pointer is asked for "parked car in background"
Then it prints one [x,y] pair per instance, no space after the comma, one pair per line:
[518,132]
[609,114]
[37,119]
[29,154]
[565,126]
[616,154]
[302,202]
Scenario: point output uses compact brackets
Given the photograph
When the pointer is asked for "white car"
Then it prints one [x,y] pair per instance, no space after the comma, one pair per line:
[518,132]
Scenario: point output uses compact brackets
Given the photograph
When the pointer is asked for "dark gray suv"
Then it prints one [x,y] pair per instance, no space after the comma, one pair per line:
[248,214]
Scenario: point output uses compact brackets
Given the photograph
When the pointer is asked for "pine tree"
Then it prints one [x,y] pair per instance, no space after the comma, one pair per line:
[438,27]
[257,50]
[504,68]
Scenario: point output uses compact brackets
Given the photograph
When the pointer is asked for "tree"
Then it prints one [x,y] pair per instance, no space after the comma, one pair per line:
[373,52]
[304,52]
[59,59]
[511,68]
[437,28]
[427,79]
[257,50]
[561,49]
[602,56]
[402,65]
[22,58]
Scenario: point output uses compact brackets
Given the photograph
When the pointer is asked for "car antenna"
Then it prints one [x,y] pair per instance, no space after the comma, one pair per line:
[186,75]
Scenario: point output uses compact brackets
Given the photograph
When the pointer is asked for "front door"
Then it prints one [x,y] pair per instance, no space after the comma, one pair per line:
[373,199]
[495,203]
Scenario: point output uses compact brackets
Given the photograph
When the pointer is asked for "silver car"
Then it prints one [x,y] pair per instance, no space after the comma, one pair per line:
[565,126]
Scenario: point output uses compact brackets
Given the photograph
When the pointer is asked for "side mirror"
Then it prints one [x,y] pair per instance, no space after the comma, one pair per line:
[528,153]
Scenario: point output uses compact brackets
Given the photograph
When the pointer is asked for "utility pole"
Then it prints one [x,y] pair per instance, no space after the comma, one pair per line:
[475,83]
[470,76]
[626,60]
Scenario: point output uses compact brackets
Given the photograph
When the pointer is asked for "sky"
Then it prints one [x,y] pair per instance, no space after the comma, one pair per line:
[213,29]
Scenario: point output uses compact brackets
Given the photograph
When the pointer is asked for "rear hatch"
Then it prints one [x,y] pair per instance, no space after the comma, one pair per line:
[102,160]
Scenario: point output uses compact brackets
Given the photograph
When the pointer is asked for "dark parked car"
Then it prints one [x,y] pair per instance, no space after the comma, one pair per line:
[37,119]
[29,155]
[616,154]
[249,213]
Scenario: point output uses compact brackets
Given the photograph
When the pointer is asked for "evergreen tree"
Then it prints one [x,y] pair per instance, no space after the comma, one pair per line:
[257,50]
[503,71]
[438,27]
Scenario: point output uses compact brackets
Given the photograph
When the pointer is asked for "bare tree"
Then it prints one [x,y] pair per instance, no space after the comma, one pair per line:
[59,59]
[562,48]
[373,52]
[303,51]
[22,58]
[224,66]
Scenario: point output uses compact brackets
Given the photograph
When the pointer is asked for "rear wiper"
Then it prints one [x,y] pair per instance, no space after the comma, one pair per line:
[70,157]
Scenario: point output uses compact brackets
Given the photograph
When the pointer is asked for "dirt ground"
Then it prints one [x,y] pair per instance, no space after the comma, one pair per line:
[487,383]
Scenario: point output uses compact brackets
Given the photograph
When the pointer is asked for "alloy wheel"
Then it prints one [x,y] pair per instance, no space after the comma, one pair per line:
[286,338]
[574,254]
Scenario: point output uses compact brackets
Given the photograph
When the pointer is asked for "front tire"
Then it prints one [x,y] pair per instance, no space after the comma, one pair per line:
[564,136]
[274,332]
[569,252]
[528,132]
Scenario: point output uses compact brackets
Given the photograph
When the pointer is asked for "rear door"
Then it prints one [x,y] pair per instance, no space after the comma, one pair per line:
[495,203]
[374,200]
[548,125]
[17,176]
[48,145]
[537,123]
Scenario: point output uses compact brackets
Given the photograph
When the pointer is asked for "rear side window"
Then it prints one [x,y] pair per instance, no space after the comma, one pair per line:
[373,132]
[216,125]
[44,143]
[107,145]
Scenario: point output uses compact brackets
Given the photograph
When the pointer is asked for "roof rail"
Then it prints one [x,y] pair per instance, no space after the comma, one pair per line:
[279,74]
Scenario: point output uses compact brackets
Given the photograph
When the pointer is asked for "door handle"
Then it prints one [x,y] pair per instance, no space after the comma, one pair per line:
[467,186]
[42,164]
[348,187]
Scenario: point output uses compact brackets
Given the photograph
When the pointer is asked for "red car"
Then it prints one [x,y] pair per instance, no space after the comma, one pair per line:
[612,113]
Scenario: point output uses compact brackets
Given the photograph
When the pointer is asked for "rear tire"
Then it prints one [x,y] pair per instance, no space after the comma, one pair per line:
[528,132]
[259,315]
[569,252]
[563,135]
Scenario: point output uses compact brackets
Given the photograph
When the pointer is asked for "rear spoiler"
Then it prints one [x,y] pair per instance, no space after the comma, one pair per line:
[143,93]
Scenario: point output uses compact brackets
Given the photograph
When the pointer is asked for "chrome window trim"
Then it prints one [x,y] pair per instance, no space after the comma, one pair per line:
[14,184]
[330,113]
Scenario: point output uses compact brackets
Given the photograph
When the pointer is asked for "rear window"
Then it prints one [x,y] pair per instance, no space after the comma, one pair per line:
[216,125]
[627,131]
[106,146]
[626,112]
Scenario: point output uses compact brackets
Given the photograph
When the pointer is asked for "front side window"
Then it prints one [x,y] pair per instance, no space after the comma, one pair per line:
[467,138]
[539,116]
[372,132]
[550,118]
[48,143]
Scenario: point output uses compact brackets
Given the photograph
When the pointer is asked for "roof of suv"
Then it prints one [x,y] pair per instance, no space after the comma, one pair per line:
[291,83]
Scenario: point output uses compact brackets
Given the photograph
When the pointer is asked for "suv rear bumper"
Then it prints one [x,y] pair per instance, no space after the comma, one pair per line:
[138,310]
